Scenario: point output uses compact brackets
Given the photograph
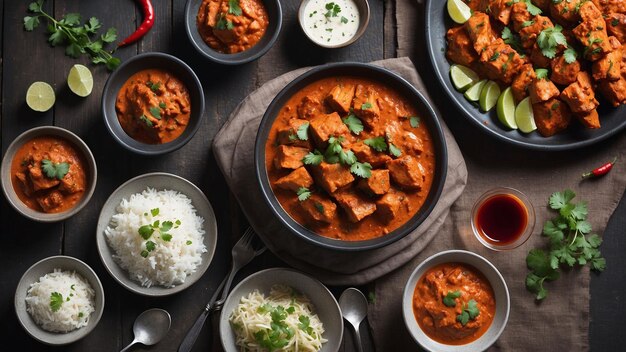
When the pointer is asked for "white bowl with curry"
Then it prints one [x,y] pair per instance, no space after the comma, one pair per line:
[153,104]
[48,174]
[455,301]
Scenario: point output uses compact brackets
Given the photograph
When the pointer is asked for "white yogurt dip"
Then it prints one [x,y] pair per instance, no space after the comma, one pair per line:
[330,22]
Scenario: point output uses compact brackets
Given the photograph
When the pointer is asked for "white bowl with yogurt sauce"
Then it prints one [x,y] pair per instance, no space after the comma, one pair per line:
[334,23]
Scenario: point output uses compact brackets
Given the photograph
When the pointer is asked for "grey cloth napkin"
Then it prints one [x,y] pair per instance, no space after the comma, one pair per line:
[561,322]
[234,150]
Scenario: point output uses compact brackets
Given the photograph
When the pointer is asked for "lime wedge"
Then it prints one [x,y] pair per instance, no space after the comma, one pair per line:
[506,109]
[40,96]
[80,80]
[462,77]
[489,96]
[473,93]
[459,11]
[524,116]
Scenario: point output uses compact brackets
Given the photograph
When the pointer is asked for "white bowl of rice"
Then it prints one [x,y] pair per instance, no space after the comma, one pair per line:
[157,234]
[59,300]
[294,307]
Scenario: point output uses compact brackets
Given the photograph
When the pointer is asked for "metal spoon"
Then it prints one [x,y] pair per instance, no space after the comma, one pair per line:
[150,327]
[354,309]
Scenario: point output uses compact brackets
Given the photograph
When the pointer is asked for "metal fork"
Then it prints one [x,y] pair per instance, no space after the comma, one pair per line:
[242,254]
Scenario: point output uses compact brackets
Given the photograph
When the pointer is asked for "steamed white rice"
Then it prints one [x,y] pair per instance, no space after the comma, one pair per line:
[77,301]
[170,262]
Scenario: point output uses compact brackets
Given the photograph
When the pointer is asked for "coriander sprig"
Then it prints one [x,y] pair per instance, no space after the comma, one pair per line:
[76,37]
[571,244]
[162,228]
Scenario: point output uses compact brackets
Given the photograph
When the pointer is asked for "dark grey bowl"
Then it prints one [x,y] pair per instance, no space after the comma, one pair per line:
[7,184]
[156,61]
[429,118]
[275,13]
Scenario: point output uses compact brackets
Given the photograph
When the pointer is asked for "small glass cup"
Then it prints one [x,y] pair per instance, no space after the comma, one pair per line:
[524,203]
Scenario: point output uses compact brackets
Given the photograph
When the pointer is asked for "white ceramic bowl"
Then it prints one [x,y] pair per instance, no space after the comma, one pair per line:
[326,306]
[158,181]
[33,274]
[497,283]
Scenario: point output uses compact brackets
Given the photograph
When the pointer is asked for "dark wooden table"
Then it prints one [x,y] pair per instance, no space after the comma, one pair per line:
[26,57]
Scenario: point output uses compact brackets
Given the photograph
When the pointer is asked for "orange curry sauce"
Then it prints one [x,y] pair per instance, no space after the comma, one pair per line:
[439,321]
[153,106]
[32,185]
[232,30]
[352,212]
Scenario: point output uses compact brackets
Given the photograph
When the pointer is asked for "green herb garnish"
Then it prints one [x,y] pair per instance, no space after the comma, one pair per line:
[354,124]
[549,39]
[332,10]
[395,151]
[366,105]
[363,170]
[541,73]
[571,243]
[414,121]
[570,55]
[470,312]
[303,131]
[56,301]
[305,324]
[156,112]
[234,8]
[154,211]
[80,314]
[150,246]
[223,23]
[76,37]
[154,86]
[162,105]
[303,193]
[449,298]
[55,170]
[146,120]
[313,158]
[377,143]
[188,242]
[344,20]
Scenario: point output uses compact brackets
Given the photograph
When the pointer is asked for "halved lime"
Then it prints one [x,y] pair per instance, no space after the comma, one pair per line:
[506,109]
[40,96]
[473,93]
[489,96]
[462,77]
[80,80]
[459,11]
[524,116]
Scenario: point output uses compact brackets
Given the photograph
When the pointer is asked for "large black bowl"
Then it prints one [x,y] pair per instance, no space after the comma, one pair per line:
[388,78]
[152,61]
[275,15]
[437,23]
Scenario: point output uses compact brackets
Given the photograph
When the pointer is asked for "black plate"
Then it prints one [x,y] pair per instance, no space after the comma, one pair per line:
[437,22]
[429,118]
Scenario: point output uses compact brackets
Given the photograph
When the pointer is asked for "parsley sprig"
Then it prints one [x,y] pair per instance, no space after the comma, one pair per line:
[76,37]
[571,243]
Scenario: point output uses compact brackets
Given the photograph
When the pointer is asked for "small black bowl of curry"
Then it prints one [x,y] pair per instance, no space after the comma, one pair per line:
[153,104]
[351,157]
[233,32]
[48,174]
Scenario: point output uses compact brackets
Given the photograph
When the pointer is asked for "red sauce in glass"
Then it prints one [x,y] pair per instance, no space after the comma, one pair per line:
[501,219]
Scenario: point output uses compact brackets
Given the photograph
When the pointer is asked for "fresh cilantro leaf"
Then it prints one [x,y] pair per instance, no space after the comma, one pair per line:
[512,39]
[549,39]
[347,158]
[166,237]
[570,55]
[470,312]
[363,170]
[150,246]
[598,264]
[74,50]
[534,10]
[234,8]
[450,298]
[80,314]
[154,86]
[55,170]
[71,19]
[188,242]
[56,38]
[594,241]
[35,6]
[527,23]
[377,143]
[313,158]
[223,23]
[560,199]
[534,284]
[92,25]
[366,105]
[580,211]
[395,151]
[146,231]
[146,120]
[541,73]
[583,226]
[414,121]
[303,131]
[305,324]
[154,211]
[166,226]
[56,301]
[31,22]
[144,253]
[354,124]
[554,232]
[303,193]
[332,10]
[291,310]
[162,105]
[156,112]
[344,20]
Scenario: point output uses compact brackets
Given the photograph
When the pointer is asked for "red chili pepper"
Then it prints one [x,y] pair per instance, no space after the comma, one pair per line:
[600,171]
[148,22]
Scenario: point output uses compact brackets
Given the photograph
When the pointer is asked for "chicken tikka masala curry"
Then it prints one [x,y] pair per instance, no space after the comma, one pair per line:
[349,158]
[48,174]
[453,303]
[560,53]
[153,106]
[232,26]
